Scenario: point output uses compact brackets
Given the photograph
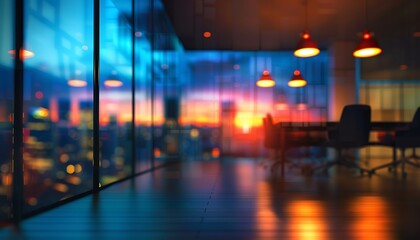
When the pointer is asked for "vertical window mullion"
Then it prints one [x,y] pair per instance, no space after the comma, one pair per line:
[133,90]
[96,47]
[17,155]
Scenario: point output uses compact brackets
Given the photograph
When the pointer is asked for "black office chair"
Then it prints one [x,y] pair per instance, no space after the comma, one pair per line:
[352,132]
[271,134]
[272,139]
[409,138]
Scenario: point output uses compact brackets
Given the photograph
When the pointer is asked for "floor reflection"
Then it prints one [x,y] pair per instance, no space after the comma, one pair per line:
[307,220]
[372,219]
[238,200]
[265,216]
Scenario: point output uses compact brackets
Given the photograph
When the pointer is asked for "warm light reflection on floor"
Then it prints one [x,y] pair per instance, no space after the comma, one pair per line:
[243,177]
[265,216]
[372,218]
[307,220]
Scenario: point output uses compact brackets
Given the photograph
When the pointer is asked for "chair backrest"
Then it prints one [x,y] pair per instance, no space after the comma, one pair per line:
[266,133]
[415,123]
[354,126]
[271,135]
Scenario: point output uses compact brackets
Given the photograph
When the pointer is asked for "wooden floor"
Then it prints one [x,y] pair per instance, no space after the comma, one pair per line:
[238,199]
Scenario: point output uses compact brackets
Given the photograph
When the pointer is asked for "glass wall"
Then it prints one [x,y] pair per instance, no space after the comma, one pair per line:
[57,100]
[221,108]
[189,105]
[143,85]
[6,104]
[115,110]
[391,101]
[58,95]
[206,103]
[168,87]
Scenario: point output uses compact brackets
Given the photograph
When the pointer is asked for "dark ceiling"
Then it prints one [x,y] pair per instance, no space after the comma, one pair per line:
[277,24]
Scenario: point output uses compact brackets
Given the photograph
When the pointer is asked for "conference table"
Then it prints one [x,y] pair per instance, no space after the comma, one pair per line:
[297,134]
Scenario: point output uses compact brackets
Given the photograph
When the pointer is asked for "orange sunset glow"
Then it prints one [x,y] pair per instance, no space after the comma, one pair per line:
[199,113]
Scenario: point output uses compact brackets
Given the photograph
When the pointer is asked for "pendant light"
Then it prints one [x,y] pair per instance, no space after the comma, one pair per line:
[113,81]
[367,46]
[266,80]
[297,80]
[306,46]
[76,83]
[76,80]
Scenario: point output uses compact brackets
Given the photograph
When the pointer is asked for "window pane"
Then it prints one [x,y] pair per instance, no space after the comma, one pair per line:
[6,104]
[219,89]
[115,90]
[57,100]
[168,88]
[143,80]
[390,100]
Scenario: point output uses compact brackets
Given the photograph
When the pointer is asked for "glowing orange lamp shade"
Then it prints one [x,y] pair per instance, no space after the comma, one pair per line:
[76,83]
[367,47]
[266,80]
[23,53]
[113,83]
[306,46]
[297,80]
